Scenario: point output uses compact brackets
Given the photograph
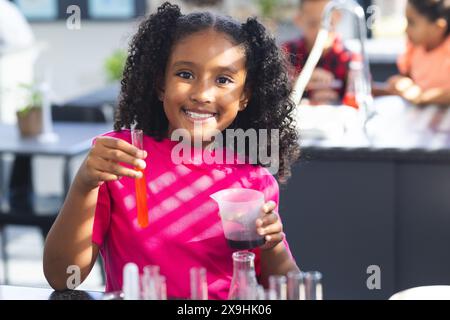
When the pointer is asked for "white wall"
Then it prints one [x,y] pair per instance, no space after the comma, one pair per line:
[76,57]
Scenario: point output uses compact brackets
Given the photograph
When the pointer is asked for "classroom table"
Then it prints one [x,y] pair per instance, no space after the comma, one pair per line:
[33,293]
[360,201]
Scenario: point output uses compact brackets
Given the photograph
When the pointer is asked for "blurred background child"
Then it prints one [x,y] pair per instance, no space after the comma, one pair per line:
[328,82]
[425,66]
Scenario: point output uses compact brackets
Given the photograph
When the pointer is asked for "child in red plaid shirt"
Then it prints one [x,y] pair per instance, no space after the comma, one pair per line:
[328,82]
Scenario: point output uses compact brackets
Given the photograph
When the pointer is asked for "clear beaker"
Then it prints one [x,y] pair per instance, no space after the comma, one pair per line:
[239,209]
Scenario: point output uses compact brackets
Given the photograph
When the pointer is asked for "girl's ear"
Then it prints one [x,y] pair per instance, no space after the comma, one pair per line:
[441,23]
[243,102]
[160,91]
[160,87]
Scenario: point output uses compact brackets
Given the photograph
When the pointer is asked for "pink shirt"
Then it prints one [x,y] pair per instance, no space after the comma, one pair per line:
[184,229]
[428,69]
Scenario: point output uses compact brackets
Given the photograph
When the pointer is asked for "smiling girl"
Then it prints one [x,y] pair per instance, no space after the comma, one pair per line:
[183,71]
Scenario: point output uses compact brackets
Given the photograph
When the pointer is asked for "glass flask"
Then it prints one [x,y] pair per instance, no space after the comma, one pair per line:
[244,284]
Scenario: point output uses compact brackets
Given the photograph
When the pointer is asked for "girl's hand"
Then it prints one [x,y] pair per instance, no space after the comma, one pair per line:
[270,226]
[405,88]
[102,162]
[398,84]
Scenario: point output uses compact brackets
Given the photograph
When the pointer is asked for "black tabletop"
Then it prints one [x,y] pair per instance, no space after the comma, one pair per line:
[30,293]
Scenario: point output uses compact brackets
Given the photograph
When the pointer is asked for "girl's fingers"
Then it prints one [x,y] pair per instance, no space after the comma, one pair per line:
[274,238]
[268,219]
[117,155]
[269,216]
[269,206]
[104,176]
[270,229]
[114,143]
[116,169]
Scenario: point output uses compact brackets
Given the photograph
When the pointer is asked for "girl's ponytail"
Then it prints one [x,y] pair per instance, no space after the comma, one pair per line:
[270,103]
[149,49]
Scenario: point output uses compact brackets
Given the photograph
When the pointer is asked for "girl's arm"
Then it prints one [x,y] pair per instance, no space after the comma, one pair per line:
[69,242]
[276,261]
[433,96]
[407,89]
[275,258]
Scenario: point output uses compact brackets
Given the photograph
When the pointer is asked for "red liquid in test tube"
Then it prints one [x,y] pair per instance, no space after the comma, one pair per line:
[141,186]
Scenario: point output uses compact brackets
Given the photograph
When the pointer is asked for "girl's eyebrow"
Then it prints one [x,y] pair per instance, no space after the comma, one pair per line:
[230,69]
[183,63]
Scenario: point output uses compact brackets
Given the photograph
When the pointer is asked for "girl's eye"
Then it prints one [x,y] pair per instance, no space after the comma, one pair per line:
[185,75]
[224,80]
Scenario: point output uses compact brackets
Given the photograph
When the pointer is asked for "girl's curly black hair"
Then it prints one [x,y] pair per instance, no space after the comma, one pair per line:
[433,10]
[267,80]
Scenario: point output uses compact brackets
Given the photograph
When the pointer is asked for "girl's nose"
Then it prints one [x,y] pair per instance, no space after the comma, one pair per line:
[202,92]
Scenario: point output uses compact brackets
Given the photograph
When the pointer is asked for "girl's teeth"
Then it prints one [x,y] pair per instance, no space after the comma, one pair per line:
[199,115]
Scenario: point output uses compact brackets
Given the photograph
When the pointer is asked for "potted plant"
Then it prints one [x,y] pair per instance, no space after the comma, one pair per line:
[114,65]
[29,118]
[201,3]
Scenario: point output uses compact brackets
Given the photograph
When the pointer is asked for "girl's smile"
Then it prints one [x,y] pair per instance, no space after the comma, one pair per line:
[204,84]
[196,114]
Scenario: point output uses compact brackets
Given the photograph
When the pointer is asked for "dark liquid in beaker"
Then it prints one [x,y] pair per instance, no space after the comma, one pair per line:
[245,244]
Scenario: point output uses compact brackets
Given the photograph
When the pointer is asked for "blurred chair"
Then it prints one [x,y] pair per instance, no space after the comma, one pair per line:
[29,210]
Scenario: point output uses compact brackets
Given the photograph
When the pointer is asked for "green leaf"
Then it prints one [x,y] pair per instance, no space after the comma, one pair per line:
[115,64]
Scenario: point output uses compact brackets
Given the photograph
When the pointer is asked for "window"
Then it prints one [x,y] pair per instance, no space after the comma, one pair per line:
[94,10]
[390,21]
[106,9]
[38,9]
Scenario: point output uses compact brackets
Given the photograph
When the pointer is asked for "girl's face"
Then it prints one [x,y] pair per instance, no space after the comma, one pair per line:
[423,32]
[309,19]
[204,83]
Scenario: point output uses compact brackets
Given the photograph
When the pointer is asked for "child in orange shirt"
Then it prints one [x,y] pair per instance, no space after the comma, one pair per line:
[425,66]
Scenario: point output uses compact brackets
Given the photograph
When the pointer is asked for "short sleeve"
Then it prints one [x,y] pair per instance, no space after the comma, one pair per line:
[102,215]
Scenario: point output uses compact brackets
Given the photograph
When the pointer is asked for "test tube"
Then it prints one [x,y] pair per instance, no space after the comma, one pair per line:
[130,286]
[163,288]
[141,188]
[295,286]
[199,284]
[270,294]
[277,283]
[313,285]
[151,283]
